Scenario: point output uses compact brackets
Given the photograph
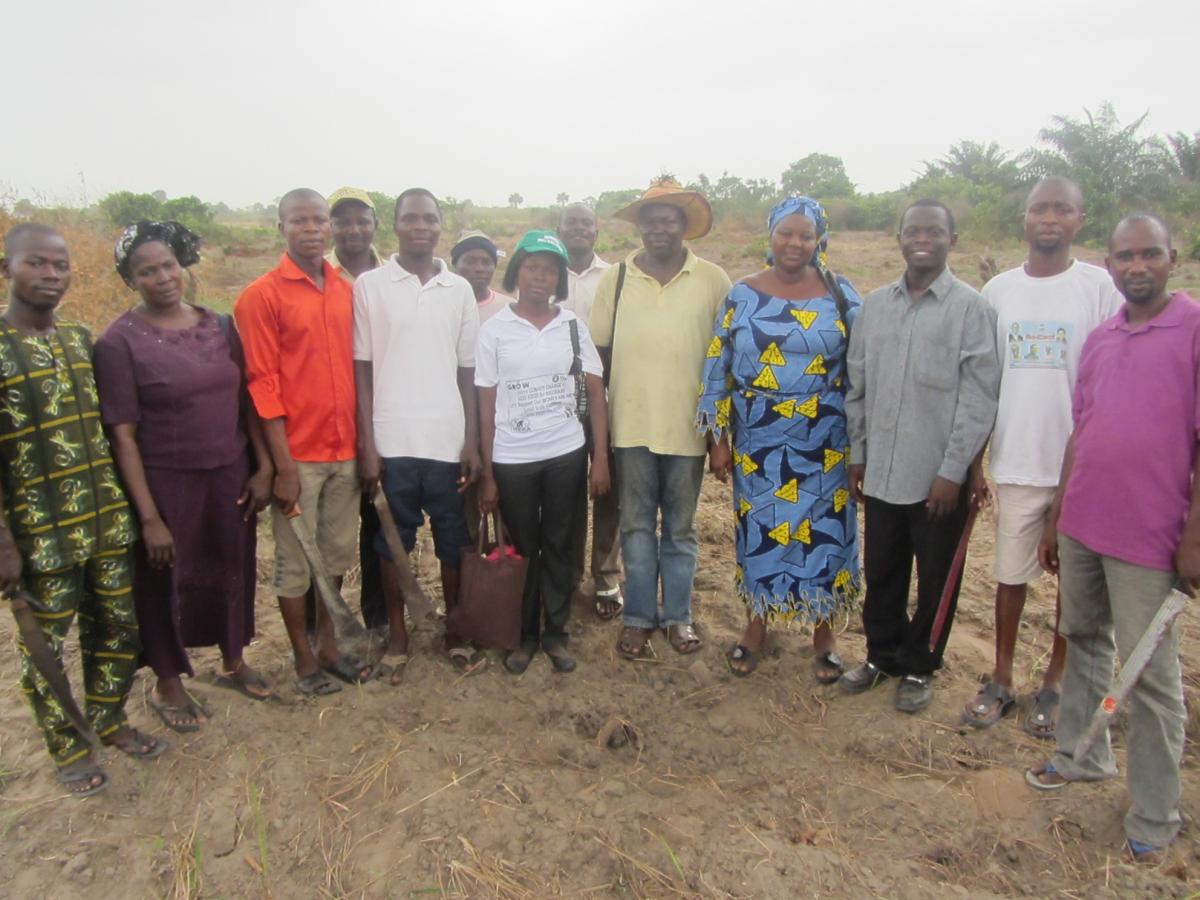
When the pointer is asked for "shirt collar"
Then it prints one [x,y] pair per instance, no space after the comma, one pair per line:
[940,287]
[1172,315]
[689,262]
[507,314]
[292,272]
[596,265]
[441,277]
[335,260]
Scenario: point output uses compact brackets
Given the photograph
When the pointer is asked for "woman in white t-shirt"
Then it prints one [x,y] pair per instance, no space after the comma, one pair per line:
[532,437]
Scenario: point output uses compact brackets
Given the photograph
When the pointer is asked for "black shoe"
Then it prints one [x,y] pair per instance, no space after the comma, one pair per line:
[517,662]
[915,693]
[862,678]
[559,659]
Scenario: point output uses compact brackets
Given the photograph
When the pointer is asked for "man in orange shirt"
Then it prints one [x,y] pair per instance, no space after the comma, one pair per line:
[296,327]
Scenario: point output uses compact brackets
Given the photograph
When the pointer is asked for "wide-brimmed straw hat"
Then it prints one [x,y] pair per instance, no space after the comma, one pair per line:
[671,192]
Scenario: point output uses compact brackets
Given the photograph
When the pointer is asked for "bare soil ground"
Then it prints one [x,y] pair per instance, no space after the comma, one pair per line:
[495,786]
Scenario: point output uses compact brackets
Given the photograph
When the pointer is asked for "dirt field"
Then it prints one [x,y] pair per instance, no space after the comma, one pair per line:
[495,786]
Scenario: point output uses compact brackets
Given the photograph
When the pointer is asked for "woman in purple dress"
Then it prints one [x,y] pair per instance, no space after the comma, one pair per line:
[173,398]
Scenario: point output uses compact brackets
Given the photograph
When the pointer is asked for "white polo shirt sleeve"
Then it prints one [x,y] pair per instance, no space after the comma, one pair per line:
[468,335]
[362,324]
[588,355]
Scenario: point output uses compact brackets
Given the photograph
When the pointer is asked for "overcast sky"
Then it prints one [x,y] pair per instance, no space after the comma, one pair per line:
[240,101]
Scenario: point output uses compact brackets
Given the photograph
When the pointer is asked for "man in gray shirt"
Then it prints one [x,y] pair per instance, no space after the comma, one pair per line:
[924,382]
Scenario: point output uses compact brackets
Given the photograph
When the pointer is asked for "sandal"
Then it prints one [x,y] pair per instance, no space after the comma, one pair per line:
[317,684]
[1146,854]
[138,745]
[394,664]
[991,704]
[683,638]
[631,643]
[467,660]
[1041,721]
[183,719]
[86,776]
[744,655]
[351,669]
[609,606]
[242,679]
[1033,777]
[828,667]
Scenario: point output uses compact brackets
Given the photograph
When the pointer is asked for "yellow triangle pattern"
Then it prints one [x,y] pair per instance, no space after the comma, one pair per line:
[841,326]
[832,459]
[743,506]
[841,579]
[723,411]
[805,317]
[817,366]
[749,465]
[789,492]
[809,407]
[840,496]
[787,409]
[772,355]
[803,532]
[739,575]
[714,348]
[781,533]
[728,318]
[766,379]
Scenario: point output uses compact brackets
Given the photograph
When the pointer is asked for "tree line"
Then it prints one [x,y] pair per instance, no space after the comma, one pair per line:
[1119,166]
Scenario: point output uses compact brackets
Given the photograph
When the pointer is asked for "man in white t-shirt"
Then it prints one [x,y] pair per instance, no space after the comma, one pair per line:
[1045,309]
[577,229]
[415,328]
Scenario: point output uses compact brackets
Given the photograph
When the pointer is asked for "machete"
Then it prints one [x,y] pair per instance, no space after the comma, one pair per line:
[1134,666]
[47,662]
[345,625]
[956,567]
[415,598]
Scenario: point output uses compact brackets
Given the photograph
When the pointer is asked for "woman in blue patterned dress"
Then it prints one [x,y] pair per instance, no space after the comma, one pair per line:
[775,378]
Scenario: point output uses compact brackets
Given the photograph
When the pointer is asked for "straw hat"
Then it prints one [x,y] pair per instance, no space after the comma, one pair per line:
[671,192]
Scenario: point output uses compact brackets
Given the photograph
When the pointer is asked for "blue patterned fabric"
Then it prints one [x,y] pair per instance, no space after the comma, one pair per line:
[774,377]
[812,210]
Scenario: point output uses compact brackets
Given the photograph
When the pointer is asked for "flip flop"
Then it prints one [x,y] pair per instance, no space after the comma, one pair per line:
[230,681]
[144,746]
[83,776]
[467,660]
[826,663]
[169,714]
[993,702]
[631,643]
[742,654]
[609,606]
[1041,722]
[351,669]
[317,684]
[1032,779]
[684,639]
[394,664]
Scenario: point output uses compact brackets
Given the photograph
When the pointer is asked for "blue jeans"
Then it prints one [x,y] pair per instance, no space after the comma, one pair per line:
[648,482]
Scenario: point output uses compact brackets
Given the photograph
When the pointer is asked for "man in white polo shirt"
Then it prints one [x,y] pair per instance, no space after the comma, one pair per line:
[1045,309]
[415,327]
[577,229]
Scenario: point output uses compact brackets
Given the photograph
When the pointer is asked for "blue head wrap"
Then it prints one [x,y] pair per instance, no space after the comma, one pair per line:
[810,209]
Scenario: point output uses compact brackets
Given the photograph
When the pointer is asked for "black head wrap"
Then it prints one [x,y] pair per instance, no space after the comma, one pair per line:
[474,242]
[184,243]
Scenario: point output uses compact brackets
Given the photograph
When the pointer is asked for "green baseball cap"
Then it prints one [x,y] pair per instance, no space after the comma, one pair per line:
[541,242]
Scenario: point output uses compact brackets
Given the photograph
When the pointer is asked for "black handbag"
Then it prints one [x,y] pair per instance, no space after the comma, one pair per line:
[581,396]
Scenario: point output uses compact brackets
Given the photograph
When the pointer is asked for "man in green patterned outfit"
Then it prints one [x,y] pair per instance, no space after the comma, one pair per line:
[66,527]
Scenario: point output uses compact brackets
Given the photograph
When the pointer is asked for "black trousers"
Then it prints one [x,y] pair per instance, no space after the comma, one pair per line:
[894,535]
[374,607]
[537,502]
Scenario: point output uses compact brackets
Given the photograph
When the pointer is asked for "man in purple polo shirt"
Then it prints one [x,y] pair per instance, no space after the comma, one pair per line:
[1125,528]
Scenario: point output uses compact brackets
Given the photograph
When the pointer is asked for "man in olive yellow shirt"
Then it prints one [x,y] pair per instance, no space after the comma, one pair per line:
[652,321]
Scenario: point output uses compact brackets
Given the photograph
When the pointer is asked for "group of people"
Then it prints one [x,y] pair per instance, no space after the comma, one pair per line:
[132,472]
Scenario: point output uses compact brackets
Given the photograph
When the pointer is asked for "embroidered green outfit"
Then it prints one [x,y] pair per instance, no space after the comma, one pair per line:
[70,520]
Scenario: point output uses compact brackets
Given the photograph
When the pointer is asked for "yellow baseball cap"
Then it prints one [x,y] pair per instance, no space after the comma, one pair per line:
[349,193]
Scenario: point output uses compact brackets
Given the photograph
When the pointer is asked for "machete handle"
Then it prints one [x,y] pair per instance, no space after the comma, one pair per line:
[22,598]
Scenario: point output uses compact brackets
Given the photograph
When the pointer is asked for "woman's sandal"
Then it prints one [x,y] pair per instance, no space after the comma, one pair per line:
[351,669]
[138,745]
[631,643]
[683,639]
[747,658]
[317,684]
[1041,721]
[92,777]
[242,679]
[1033,777]
[467,660]
[828,667]
[394,664]
[183,719]
[991,704]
